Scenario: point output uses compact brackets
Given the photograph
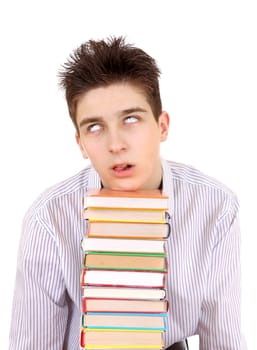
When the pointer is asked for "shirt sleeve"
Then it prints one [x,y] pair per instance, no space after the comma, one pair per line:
[40,309]
[220,322]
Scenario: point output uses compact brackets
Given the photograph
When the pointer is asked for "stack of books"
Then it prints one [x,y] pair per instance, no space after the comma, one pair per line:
[124,267]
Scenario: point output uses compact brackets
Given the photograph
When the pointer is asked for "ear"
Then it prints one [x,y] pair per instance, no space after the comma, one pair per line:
[81,146]
[164,122]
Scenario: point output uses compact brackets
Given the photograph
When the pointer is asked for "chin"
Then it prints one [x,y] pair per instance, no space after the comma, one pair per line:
[126,186]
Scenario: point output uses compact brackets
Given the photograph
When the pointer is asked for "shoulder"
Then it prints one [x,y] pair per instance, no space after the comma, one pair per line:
[193,184]
[189,175]
[64,191]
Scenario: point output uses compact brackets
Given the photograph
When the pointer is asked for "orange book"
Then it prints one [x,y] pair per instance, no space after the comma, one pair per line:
[124,261]
[144,199]
[126,321]
[97,339]
[141,230]
[124,305]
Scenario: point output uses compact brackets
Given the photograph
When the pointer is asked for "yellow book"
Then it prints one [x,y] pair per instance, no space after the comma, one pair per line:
[125,215]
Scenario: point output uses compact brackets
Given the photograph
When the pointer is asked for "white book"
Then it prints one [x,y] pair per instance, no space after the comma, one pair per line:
[123,293]
[122,278]
[123,245]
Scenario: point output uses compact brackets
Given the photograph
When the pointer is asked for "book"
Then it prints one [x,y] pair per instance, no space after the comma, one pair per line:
[123,245]
[123,293]
[126,199]
[124,266]
[124,305]
[123,278]
[128,230]
[120,339]
[132,321]
[124,215]
[125,261]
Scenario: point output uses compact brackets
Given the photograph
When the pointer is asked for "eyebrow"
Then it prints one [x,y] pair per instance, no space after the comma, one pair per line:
[97,119]
[89,120]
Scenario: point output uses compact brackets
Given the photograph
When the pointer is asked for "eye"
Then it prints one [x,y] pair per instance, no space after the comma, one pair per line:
[92,128]
[131,119]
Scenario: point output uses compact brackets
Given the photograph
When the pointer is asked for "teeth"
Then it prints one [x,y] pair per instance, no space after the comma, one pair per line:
[121,167]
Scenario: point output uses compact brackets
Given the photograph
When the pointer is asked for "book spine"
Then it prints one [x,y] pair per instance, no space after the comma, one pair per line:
[164,314]
[94,252]
[141,319]
[86,307]
[123,245]
[116,280]
[124,329]
[131,233]
[122,261]
[124,293]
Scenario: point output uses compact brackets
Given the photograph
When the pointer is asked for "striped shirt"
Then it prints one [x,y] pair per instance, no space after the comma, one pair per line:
[203,283]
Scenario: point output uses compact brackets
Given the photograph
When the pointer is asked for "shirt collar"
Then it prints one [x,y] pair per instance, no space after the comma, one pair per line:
[167,182]
[94,181]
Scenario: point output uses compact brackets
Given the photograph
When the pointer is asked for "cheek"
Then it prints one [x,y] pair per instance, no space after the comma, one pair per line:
[148,144]
[95,151]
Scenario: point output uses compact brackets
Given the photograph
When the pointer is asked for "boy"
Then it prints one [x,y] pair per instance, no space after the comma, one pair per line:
[112,92]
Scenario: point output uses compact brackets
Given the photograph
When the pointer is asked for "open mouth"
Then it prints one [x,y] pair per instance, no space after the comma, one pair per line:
[121,167]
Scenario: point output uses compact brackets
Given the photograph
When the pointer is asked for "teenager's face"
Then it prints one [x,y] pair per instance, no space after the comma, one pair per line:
[118,133]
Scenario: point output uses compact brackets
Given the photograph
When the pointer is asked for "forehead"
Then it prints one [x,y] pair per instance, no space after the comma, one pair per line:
[111,99]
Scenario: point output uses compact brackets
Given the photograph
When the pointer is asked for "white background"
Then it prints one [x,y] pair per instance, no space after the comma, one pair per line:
[207,54]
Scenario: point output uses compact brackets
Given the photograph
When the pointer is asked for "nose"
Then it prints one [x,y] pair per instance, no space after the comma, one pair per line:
[116,141]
